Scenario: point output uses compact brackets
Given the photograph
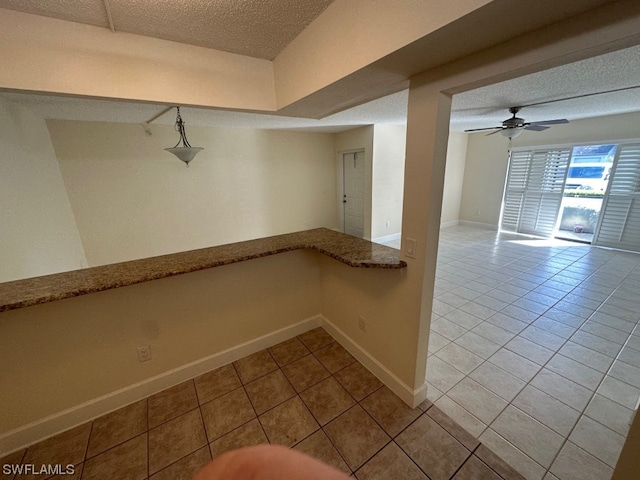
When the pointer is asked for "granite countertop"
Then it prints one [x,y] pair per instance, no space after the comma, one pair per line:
[353,251]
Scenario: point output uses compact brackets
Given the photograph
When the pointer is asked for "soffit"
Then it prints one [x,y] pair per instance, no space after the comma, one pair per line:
[479,108]
[495,24]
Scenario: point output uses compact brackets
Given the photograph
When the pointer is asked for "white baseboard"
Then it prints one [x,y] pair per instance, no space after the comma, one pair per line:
[487,226]
[59,422]
[387,238]
[452,223]
[410,396]
[87,411]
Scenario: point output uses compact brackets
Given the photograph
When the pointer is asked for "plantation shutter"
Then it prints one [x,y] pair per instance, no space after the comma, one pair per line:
[534,190]
[517,178]
[620,215]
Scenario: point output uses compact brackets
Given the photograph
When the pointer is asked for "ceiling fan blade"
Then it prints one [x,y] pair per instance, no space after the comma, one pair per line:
[536,128]
[494,132]
[550,122]
[482,129]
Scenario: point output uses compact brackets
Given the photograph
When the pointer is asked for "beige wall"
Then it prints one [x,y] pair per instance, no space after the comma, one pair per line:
[383,298]
[38,233]
[57,355]
[484,176]
[389,145]
[355,139]
[353,34]
[454,178]
[132,199]
[487,161]
[56,56]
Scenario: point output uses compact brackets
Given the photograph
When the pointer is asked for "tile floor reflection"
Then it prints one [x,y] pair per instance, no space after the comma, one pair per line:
[535,349]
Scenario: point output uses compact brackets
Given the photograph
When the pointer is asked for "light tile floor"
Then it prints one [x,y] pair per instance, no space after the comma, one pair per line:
[307,393]
[535,349]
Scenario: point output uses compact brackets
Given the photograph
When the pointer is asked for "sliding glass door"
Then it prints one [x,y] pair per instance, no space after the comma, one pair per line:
[584,190]
[544,191]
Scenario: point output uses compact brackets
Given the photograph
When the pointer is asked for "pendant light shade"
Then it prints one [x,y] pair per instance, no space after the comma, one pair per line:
[186,152]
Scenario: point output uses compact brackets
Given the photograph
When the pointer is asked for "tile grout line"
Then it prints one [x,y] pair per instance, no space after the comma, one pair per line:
[364,409]
[424,413]
[297,394]
[204,426]
[86,450]
[208,443]
[583,412]
[555,352]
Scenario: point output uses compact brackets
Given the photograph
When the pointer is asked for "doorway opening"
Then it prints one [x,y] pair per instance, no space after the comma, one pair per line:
[584,189]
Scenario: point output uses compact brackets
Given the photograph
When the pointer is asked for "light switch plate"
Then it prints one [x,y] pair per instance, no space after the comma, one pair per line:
[410,248]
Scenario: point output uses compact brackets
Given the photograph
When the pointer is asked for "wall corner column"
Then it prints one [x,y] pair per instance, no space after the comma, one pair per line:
[428,117]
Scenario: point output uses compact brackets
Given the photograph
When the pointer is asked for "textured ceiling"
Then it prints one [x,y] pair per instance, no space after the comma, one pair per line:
[248,27]
[488,106]
[91,12]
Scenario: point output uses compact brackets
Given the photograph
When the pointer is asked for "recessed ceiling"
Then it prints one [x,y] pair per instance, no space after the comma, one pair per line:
[259,29]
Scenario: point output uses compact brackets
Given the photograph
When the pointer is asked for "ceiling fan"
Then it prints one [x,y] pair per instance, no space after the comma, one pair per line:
[514,126]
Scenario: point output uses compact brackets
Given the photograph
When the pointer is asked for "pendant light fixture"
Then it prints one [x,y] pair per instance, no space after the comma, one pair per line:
[185,152]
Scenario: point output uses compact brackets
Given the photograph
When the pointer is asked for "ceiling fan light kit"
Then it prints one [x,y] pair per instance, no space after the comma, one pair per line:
[512,132]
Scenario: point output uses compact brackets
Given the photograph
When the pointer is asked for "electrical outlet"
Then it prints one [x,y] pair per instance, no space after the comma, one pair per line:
[362,323]
[144,353]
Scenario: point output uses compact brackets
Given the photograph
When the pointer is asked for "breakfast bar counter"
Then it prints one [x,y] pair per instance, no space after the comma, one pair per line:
[347,249]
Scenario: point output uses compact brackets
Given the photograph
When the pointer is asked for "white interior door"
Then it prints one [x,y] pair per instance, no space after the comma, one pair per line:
[353,188]
[620,215]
